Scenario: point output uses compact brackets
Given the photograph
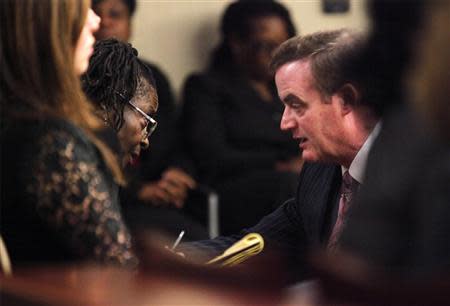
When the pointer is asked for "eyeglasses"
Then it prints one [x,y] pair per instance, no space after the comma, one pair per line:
[151,123]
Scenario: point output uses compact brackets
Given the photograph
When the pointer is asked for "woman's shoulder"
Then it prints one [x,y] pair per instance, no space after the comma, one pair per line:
[211,81]
[62,132]
[210,77]
[49,135]
[40,126]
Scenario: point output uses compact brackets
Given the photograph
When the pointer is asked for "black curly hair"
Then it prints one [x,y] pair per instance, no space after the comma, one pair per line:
[114,77]
[237,21]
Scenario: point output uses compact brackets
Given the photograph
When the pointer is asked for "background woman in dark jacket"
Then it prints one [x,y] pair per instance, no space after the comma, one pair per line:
[232,113]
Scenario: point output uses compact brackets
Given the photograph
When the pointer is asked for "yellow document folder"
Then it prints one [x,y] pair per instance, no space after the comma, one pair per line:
[248,246]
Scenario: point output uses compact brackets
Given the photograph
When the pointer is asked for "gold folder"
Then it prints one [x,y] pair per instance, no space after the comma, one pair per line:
[248,246]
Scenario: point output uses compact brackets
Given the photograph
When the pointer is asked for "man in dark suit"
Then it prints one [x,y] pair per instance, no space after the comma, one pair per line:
[327,110]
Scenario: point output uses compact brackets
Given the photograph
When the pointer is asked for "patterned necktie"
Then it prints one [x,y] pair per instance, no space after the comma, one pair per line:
[349,186]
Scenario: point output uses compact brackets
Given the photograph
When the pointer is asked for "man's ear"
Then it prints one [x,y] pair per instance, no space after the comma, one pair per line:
[349,97]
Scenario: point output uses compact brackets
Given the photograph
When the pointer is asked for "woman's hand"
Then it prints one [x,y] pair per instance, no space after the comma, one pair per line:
[171,189]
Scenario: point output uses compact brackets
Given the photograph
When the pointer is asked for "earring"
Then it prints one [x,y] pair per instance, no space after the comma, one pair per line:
[104,114]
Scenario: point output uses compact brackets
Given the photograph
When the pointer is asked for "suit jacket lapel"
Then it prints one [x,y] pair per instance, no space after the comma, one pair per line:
[318,194]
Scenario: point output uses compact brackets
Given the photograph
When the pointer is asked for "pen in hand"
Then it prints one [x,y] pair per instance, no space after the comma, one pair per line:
[175,244]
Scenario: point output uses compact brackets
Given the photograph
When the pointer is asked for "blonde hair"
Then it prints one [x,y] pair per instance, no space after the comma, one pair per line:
[430,78]
[38,78]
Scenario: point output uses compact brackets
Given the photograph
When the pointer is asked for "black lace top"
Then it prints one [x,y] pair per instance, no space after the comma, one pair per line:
[59,201]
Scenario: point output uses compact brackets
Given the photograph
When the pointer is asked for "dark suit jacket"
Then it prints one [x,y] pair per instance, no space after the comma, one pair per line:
[299,224]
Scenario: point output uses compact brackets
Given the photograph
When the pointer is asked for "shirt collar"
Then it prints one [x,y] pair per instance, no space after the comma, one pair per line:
[358,165]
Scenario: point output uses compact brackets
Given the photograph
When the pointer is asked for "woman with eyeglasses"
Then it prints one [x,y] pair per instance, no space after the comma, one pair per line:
[123,90]
[58,179]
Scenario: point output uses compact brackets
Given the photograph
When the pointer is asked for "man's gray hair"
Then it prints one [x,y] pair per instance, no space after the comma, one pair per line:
[331,54]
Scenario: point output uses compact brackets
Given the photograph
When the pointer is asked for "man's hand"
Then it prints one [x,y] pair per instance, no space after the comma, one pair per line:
[171,189]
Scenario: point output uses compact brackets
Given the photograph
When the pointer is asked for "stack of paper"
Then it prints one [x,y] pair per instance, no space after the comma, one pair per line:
[248,246]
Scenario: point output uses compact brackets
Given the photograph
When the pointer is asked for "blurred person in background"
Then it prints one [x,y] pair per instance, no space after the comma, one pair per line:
[400,221]
[162,177]
[395,247]
[58,180]
[231,117]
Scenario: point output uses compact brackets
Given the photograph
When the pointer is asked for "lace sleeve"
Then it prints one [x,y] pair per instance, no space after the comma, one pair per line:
[77,200]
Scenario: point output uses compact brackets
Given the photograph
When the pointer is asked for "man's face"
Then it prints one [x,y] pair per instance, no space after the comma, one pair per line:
[115,20]
[317,122]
